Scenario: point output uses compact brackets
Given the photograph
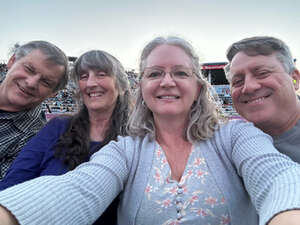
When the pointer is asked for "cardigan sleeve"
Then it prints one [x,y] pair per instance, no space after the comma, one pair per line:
[77,197]
[271,178]
[34,158]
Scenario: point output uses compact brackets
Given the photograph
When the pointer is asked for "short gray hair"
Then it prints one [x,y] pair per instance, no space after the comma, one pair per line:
[203,116]
[261,45]
[53,53]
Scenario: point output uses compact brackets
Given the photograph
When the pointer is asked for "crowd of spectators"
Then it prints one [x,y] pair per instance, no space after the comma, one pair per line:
[3,70]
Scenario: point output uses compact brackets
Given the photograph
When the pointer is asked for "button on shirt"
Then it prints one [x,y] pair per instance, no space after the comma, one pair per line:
[195,198]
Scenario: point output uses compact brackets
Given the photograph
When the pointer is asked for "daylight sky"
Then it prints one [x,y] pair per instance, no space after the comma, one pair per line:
[123,27]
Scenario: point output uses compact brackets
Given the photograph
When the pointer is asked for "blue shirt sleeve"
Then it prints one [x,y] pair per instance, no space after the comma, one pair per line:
[36,158]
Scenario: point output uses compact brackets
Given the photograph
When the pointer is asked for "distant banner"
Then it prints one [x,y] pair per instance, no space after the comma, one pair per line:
[212,67]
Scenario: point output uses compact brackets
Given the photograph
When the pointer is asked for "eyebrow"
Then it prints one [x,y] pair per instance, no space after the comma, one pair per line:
[173,67]
[155,67]
[254,68]
[236,76]
[263,66]
[28,64]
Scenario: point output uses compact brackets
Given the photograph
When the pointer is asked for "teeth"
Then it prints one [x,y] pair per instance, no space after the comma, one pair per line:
[256,100]
[95,94]
[168,97]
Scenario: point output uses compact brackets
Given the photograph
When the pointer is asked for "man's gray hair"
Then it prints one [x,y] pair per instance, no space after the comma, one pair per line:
[261,45]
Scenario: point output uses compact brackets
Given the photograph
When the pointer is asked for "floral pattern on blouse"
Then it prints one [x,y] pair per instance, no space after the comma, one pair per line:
[196,199]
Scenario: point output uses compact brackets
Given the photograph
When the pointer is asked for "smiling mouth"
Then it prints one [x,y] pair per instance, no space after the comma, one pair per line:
[256,100]
[97,94]
[168,97]
[24,90]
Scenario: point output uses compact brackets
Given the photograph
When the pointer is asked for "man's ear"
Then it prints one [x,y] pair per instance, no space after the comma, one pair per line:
[296,79]
[11,61]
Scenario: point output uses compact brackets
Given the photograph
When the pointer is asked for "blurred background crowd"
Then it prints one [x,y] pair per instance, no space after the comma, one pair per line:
[65,100]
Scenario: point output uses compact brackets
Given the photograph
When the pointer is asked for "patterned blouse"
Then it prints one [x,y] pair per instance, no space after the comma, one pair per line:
[196,199]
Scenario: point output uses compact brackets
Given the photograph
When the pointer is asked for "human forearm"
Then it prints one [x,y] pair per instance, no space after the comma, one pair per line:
[6,218]
[272,179]
[67,199]
[286,218]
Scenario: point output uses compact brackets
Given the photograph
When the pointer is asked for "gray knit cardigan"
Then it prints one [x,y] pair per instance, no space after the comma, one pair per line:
[241,158]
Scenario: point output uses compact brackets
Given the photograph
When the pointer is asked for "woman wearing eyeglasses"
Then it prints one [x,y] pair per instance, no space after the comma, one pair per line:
[181,164]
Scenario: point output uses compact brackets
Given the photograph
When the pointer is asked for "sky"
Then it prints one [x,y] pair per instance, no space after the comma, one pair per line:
[124,27]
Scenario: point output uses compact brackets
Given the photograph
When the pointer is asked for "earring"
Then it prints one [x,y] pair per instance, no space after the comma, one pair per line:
[294,81]
[143,103]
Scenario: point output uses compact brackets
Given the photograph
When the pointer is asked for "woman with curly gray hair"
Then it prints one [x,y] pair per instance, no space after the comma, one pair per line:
[181,164]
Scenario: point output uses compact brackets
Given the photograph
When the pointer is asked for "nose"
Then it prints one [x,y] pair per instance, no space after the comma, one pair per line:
[32,82]
[91,81]
[251,84]
[167,80]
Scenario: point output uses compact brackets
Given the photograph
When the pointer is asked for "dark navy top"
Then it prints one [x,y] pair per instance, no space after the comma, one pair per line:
[37,159]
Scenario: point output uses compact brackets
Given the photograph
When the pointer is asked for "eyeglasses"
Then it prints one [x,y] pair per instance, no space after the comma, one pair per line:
[177,73]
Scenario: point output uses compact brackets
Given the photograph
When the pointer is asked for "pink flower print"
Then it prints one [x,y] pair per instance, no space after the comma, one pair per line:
[157,175]
[188,174]
[198,161]
[211,201]
[172,190]
[158,153]
[148,189]
[175,223]
[171,222]
[166,203]
[201,212]
[194,199]
[201,173]
[185,189]
[164,161]
[225,220]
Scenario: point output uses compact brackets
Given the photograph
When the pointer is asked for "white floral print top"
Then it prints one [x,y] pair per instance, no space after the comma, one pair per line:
[196,199]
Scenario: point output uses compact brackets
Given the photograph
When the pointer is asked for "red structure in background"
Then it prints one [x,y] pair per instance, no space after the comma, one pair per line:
[215,75]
